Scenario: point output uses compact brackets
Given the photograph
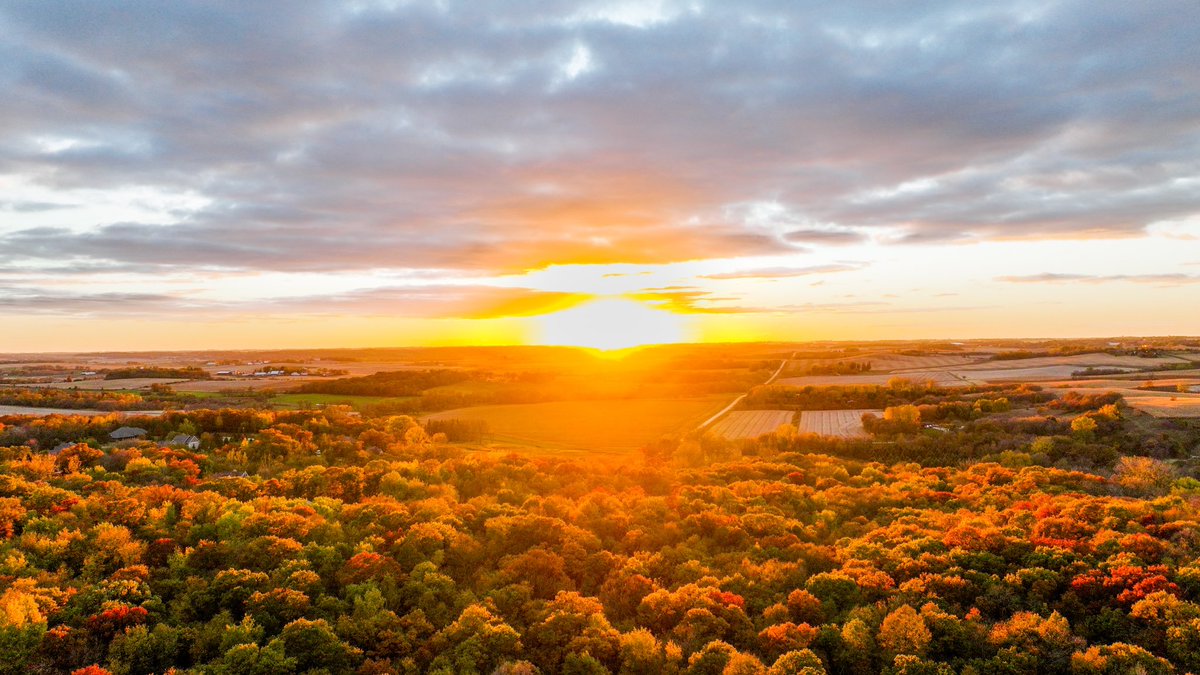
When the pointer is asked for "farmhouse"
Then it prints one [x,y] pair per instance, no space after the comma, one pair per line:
[184,441]
[126,433]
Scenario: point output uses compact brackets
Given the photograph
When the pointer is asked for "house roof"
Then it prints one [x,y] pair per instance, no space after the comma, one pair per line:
[128,432]
[183,439]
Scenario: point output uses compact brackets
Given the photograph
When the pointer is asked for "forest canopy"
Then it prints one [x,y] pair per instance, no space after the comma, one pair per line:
[298,542]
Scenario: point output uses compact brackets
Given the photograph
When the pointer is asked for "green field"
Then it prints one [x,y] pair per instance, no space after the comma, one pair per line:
[311,400]
[603,426]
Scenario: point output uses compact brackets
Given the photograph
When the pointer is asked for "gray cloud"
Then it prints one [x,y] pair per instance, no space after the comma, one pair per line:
[826,237]
[786,272]
[25,300]
[31,207]
[458,135]
[1167,279]
[413,301]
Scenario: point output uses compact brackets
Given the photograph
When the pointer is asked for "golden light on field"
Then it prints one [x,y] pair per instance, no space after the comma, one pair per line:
[610,324]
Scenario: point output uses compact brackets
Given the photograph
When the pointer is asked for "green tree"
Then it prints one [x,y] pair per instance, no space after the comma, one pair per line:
[801,662]
[250,659]
[477,642]
[141,651]
[18,646]
[315,646]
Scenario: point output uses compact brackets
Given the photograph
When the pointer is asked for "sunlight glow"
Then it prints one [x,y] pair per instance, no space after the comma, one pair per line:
[610,324]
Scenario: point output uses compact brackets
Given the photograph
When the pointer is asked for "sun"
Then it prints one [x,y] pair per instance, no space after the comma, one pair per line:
[610,324]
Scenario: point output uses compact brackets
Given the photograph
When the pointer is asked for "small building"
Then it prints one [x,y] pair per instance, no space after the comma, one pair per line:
[127,433]
[184,441]
[56,450]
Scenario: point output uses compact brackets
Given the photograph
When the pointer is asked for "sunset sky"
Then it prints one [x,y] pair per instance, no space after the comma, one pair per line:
[212,175]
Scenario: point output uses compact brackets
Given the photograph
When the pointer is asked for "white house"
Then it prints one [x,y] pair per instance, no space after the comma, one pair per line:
[184,441]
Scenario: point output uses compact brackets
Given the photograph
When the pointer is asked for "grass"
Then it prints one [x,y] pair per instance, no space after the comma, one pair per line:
[1166,405]
[595,426]
[147,392]
[308,400]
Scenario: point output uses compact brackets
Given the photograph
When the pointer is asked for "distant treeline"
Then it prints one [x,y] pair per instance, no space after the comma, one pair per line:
[1070,350]
[458,431]
[72,399]
[899,392]
[393,383]
[1092,370]
[1019,355]
[839,368]
[188,373]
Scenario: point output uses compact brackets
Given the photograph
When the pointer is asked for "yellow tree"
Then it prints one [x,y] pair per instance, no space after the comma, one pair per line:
[904,632]
[905,417]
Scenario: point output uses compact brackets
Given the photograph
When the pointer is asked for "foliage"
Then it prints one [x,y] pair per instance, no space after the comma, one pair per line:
[327,542]
[186,373]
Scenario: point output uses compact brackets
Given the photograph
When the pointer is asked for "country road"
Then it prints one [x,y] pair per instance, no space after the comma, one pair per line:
[42,412]
[714,418]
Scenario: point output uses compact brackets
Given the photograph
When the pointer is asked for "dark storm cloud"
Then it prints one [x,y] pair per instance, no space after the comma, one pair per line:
[481,136]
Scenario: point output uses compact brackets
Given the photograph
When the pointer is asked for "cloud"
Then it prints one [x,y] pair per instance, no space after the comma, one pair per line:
[31,206]
[826,237]
[1168,279]
[434,301]
[492,138]
[25,301]
[691,300]
[783,272]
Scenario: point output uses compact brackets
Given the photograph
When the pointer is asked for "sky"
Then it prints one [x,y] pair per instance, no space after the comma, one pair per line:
[221,175]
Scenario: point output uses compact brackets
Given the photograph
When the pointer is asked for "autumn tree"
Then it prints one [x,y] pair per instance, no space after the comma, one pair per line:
[904,632]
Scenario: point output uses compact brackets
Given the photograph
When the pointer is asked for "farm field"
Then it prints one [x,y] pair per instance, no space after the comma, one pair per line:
[962,370]
[1164,404]
[256,384]
[609,426]
[901,362]
[310,400]
[1032,373]
[741,424]
[43,412]
[941,377]
[129,384]
[841,423]
[886,362]
[1079,361]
